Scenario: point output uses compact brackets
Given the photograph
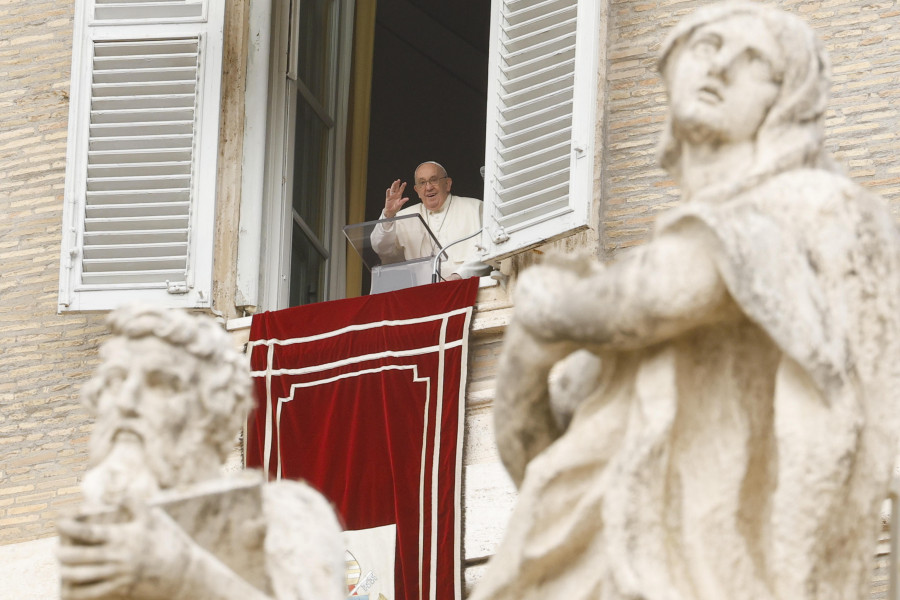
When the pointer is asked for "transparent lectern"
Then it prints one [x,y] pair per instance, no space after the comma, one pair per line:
[394,272]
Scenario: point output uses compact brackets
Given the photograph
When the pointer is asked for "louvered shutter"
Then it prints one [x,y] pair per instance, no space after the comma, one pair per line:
[141,161]
[540,127]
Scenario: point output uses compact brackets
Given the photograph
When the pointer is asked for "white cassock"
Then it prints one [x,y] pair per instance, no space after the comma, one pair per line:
[405,240]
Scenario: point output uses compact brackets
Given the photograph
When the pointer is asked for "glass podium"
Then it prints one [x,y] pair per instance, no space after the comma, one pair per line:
[391,271]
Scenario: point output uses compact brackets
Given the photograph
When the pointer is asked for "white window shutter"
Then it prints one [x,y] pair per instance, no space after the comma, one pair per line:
[140,186]
[542,95]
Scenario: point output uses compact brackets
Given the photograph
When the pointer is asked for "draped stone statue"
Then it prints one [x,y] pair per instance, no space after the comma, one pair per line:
[724,414]
[159,521]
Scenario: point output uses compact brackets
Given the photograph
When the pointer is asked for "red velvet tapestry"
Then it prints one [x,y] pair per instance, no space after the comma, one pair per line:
[363,399]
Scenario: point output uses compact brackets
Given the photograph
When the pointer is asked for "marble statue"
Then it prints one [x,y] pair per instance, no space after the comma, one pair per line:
[723,417]
[159,520]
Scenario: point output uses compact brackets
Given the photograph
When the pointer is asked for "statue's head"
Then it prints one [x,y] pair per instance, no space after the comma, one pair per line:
[739,71]
[171,389]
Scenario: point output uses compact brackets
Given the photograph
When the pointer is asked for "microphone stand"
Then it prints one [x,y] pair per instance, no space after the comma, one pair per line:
[435,265]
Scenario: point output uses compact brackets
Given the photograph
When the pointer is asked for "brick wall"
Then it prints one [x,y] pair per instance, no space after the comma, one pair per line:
[863,39]
[44,356]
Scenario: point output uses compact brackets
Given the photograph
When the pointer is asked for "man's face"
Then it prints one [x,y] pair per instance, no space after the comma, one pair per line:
[148,396]
[432,185]
[724,80]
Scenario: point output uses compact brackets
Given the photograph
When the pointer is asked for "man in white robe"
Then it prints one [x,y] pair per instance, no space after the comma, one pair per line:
[449,217]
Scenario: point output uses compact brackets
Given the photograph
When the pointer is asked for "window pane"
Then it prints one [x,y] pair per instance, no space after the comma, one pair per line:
[307,269]
[310,168]
[313,47]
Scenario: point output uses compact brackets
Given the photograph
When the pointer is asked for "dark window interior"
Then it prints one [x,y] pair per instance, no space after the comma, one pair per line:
[429,87]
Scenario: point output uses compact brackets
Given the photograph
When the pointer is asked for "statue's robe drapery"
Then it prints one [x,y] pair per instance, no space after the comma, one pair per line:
[745,459]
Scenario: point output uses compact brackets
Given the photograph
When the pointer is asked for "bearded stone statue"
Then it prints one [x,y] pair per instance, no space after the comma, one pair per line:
[159,520]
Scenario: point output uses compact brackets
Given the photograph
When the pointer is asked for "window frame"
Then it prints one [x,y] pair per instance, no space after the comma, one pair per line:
[262,271]
[264,257]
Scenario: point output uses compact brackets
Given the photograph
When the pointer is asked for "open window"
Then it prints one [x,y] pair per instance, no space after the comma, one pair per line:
[141,159]
[141,166]
[438,79]
[407,83]
[514,79]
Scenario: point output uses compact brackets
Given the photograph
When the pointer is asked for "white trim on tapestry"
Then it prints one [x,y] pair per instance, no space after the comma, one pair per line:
[440,349]
[362,327]
[460,431]
[435,444]
[358,359]
[436,457]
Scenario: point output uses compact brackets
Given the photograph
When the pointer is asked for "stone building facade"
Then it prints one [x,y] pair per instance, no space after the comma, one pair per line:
[43,432]
[46,355]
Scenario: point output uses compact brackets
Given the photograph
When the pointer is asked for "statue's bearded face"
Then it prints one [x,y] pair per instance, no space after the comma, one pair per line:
[723,81]
[147,402]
